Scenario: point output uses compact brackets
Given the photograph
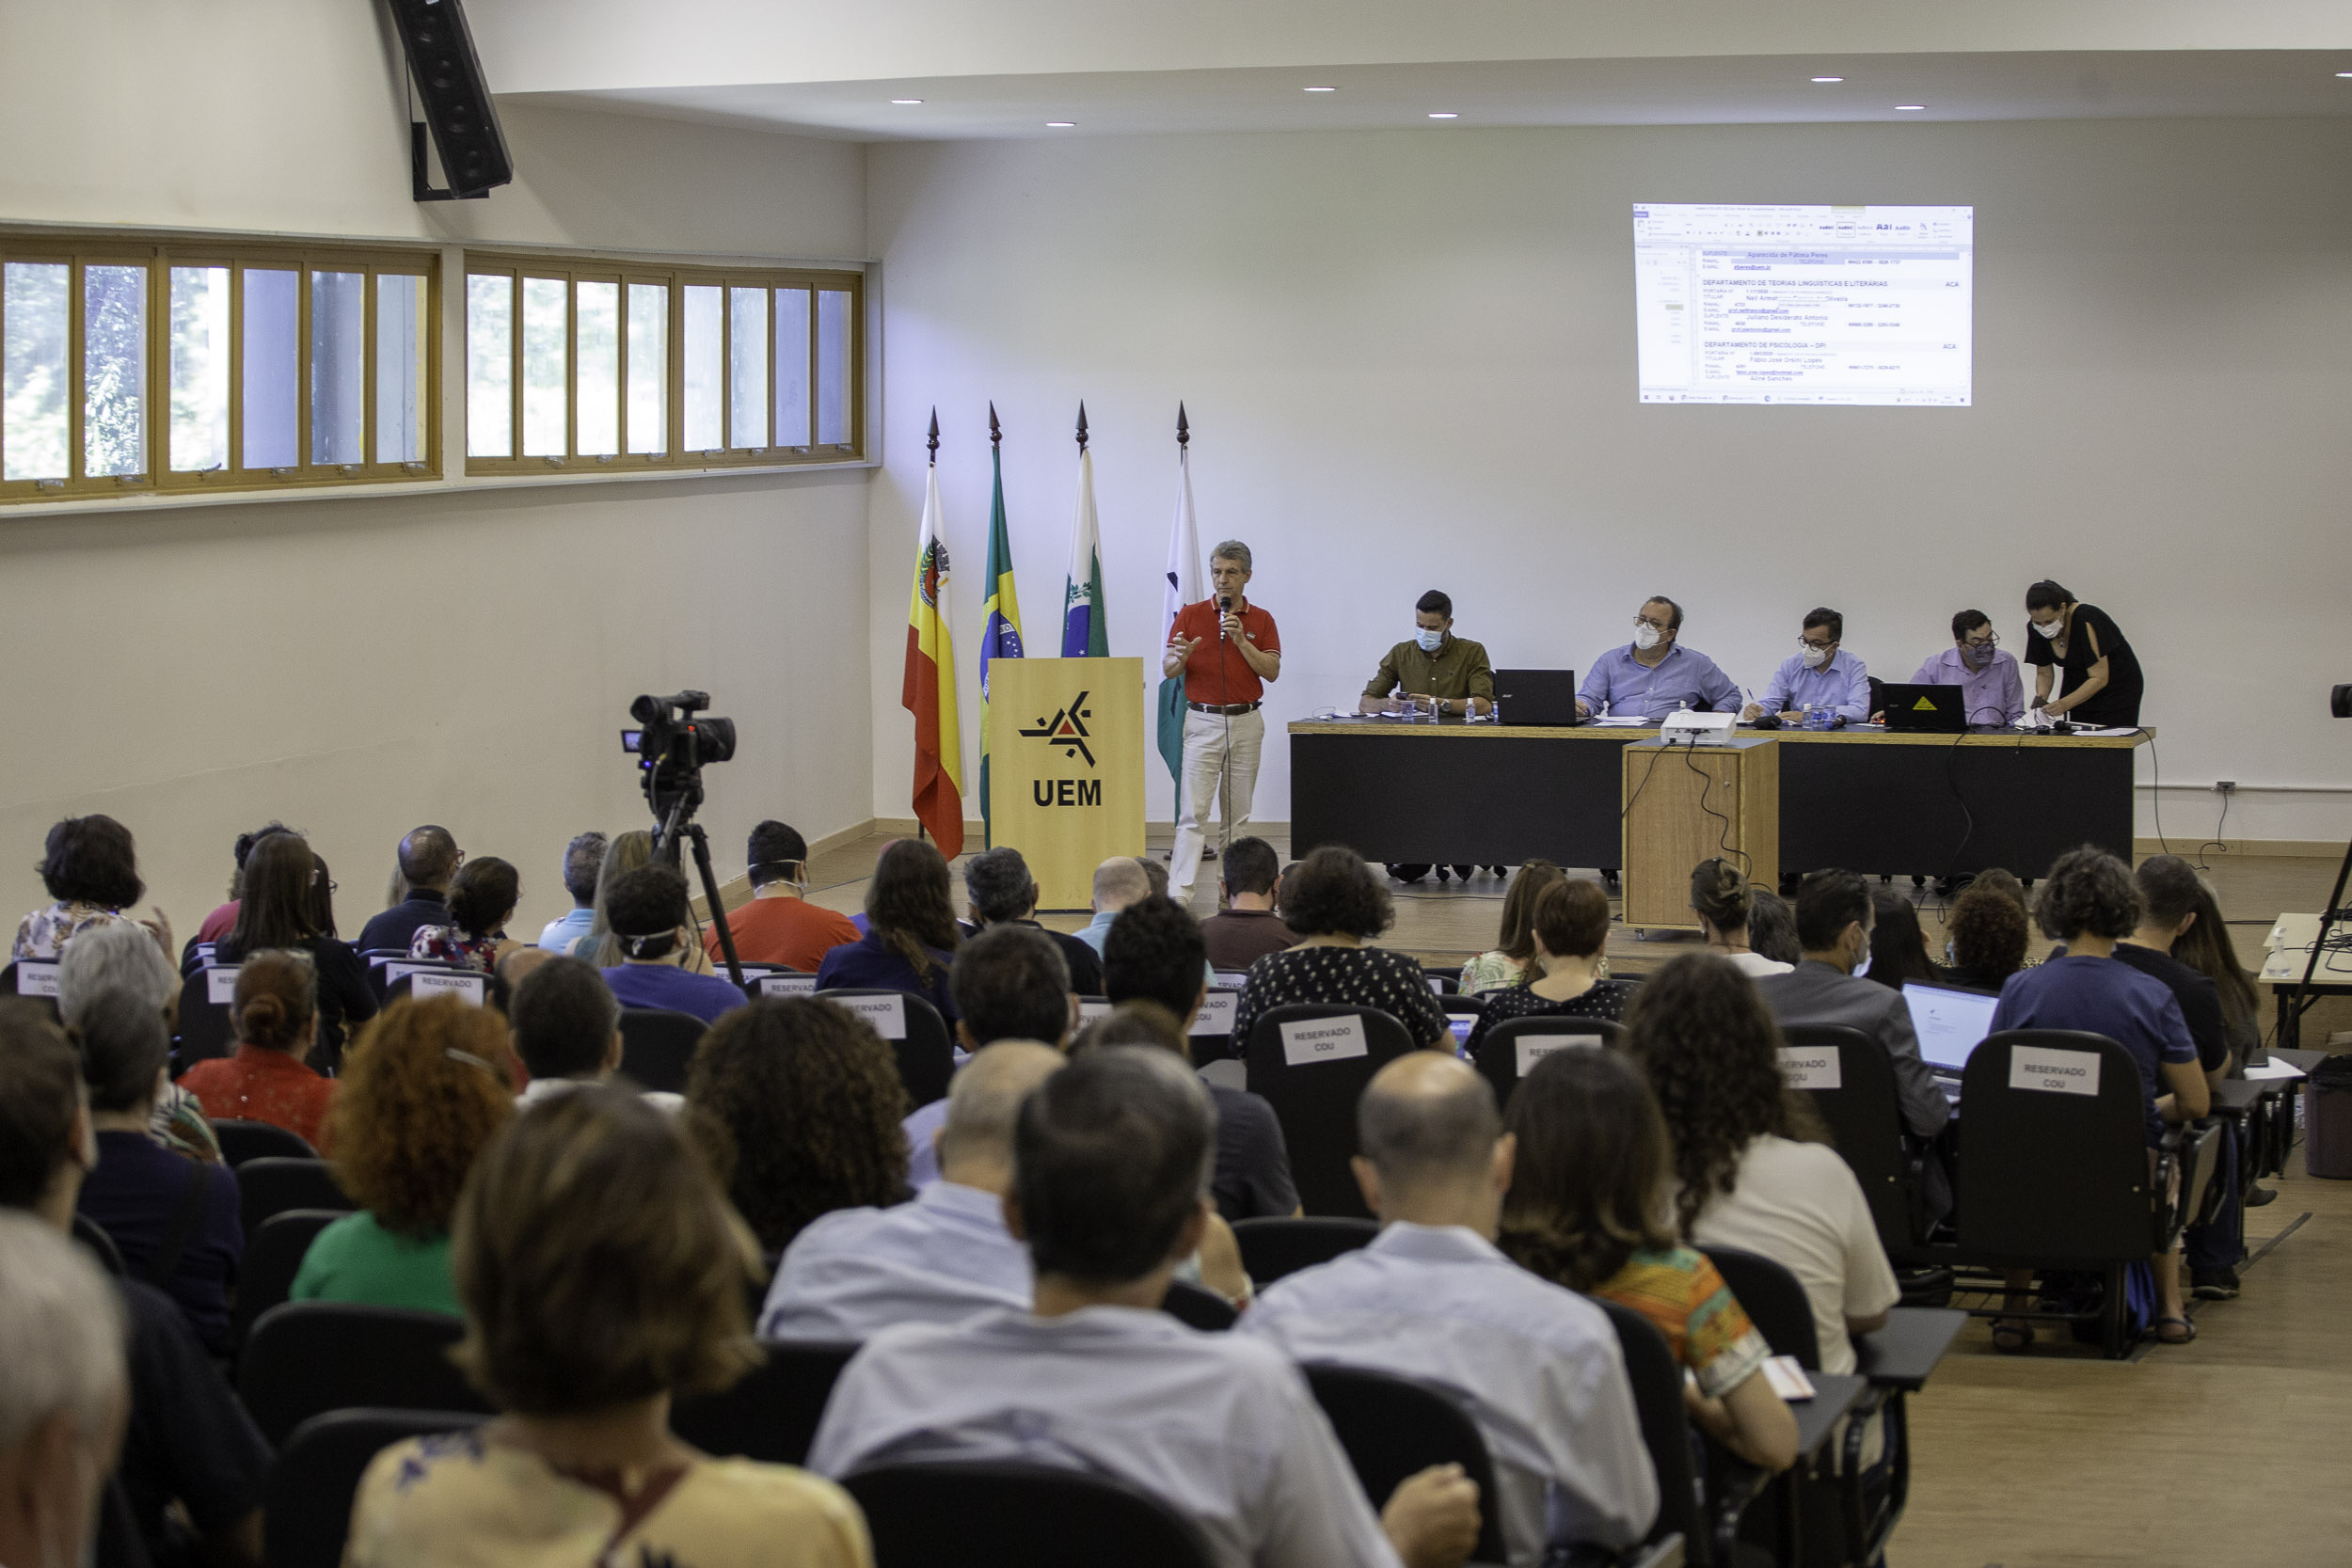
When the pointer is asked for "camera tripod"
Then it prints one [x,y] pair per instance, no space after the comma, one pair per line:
[680,824]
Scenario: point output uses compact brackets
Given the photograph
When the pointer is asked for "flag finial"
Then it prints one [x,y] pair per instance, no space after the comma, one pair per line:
[1082,425]
[935,440]
[1183,430]
[995,432]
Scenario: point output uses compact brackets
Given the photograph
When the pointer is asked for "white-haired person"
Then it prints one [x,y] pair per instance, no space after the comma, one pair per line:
[125,957]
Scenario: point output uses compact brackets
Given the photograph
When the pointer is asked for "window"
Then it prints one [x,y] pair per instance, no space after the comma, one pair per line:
[594,362]
[128,366]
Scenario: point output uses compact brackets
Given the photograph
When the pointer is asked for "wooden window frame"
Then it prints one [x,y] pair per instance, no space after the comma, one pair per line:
[159,260]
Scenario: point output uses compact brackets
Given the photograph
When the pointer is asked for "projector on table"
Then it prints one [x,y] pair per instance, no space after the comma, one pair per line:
[1685,728]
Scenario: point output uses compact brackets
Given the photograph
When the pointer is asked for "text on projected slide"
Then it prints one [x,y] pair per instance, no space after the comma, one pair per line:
[1803,305]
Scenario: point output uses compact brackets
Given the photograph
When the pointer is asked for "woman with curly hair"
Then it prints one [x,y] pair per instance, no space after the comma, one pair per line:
[91,868]
[911,932]
[1335,905]
[1985,935]
[1506,965]
[810,1099]
[1587,1209]
[1751,1169]
[424,1088]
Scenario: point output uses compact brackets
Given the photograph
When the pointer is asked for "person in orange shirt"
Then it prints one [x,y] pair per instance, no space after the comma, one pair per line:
[780,925]
[275,1015]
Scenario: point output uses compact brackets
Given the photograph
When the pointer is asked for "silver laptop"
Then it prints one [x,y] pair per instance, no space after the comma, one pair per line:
[1950,1022]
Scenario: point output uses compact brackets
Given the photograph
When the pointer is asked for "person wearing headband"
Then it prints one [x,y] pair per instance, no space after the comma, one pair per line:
[651,923]
[780,925]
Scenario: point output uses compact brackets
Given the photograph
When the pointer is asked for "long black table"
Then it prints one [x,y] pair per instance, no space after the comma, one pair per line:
[1481,793]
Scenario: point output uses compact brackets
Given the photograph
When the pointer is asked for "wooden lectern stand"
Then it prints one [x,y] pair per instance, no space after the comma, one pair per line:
[1065,768]
[1686,804]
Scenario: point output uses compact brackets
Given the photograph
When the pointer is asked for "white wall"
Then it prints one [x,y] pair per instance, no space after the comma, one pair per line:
[1408,357]
[358,665]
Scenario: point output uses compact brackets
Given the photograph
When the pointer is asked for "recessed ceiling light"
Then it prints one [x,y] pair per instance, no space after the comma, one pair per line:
[1444,114]
[906,100]
[1909,108]
[1061,125]
[1318,89]
[1829,78]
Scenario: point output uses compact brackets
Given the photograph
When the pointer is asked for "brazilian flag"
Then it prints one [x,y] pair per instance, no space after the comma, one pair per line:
[1000,638]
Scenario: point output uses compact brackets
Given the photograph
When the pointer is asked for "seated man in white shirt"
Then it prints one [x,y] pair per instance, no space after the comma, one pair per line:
[567,1027]
[1110,1189]
[1537,1365]
[1010,983]
[939,1259]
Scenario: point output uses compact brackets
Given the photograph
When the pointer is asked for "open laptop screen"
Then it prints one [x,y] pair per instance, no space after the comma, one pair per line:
[1951,1024]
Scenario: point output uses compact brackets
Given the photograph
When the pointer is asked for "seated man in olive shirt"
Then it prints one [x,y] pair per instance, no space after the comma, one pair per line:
[1439,667]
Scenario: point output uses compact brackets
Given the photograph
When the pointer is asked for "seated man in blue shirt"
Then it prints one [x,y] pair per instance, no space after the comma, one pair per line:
[1431,1299]
[1110,1191]
[583,858]
[1654,675]
[1991,690]
[1009,983]
[939,1259]
[1821,674]
[649,918]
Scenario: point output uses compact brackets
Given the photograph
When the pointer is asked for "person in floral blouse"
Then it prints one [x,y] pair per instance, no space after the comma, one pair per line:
[91,868]
[482,899]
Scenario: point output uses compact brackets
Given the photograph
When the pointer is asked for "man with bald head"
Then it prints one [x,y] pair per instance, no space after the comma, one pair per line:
[939,1259]
[1431,1299]
[1118,882]
[429,857]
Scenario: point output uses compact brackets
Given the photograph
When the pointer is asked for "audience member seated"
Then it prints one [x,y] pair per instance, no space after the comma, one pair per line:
[64,1394]
[1899,948]
[2168,896]
[422,1092]
[174,1220]
[482,898]
[939,1259]
[583,857]
[780,925]
[1247,927]
[1154,955]
[1155,873]
[191,1455]
[1984,938]
[1118,882]
[810,1101]
[2205,947]
[1000,891]
[1336,906]
[429,857]
[123,956]
[1515,949]
[276,1015]
[1009,983]
[910,933]
[601,1272]
[287,908]
[91,868]
[1111,1161]
[1834,919]
[1587,1209]
[1772,929]
[499,995]
[2005,883]
[1725,901]
[2092,903]
[218,924]
[1750,1166]
[1570,925]
[565,1025]
[1431,1299]
[628,852]
[650,921]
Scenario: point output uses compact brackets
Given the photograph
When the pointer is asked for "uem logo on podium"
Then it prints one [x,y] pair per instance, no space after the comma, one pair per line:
[1067,729]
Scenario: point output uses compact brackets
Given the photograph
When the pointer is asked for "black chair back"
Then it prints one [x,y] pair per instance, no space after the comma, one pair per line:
[92,1235]
[1283,1245]
[1773,1301]
[1195,1307]
[33,979]
[2055,1176]
[1444,982]
[241,1141]
[1850,1081]
[274,1184]
[205,1030]
[1213,1026]
[1657,1380]
[1019,1517]
[274,1251]
[658,1045]
[1392,1427]
[916,1035]
[1314,1096]
[305,1357]
[1509,1050]
[770,1413]
[305,1515]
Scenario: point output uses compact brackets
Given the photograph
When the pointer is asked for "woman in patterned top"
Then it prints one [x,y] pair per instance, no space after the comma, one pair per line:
[1516,948]
[1587,1209]
[90,867]
[1570,926]
[482,899]
[1333,903]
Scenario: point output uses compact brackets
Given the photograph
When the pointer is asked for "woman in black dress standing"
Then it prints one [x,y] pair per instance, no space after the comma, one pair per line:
[2101,685]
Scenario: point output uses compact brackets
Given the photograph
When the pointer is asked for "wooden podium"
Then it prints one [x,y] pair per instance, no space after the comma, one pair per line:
[1686,804]
[1065,768]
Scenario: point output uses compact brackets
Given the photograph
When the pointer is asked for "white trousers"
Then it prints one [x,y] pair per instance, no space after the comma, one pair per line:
[1216,786]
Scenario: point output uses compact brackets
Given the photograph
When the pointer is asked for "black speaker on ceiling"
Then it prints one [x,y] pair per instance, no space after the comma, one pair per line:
[458,105]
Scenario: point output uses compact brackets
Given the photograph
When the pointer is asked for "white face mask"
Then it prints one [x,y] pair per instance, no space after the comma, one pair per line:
[1430,640]
[2050,628]
[1814,658]
[1645,637]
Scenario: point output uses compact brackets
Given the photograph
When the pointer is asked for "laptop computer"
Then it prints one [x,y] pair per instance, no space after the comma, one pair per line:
[1950,1022]
[1924,707]
[1536,697]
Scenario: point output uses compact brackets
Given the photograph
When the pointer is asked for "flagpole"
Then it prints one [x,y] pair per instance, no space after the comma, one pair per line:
[921,836]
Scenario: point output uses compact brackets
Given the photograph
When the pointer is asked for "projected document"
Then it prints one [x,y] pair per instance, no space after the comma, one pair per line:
[1803,305]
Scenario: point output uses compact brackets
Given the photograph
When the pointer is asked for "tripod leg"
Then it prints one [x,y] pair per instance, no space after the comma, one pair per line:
[710,896]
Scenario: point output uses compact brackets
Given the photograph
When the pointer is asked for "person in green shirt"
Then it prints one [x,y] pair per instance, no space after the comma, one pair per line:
[1432,665]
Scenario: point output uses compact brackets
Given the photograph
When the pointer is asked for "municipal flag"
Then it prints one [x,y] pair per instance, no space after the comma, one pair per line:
[1000,638]
[1183,588]
[1084,634]
[928,690]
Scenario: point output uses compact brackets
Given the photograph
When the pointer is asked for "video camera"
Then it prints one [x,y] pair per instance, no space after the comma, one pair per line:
[672,747]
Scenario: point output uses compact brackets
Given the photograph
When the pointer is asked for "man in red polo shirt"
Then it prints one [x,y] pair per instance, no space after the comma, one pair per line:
[1228,650]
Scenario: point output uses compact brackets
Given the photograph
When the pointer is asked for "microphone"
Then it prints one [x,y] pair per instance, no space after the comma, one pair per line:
[1224,607]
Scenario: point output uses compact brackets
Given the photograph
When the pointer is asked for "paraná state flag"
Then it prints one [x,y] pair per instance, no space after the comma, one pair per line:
[1084,633]
[1000,637]
[928,691]
[1182,588]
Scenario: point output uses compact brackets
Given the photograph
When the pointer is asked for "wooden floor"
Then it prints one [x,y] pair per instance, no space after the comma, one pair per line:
[2223,1453]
